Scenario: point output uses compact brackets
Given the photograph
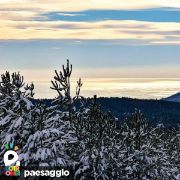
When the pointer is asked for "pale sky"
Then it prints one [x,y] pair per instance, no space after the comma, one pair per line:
[102,38]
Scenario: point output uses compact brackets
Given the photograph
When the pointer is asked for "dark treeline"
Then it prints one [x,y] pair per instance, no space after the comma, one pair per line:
[76,133]
[156,111]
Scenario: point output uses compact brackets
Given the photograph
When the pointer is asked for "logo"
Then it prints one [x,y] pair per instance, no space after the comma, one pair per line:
[12,164]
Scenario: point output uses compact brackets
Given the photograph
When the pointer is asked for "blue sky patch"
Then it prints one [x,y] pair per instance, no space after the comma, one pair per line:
[151,15]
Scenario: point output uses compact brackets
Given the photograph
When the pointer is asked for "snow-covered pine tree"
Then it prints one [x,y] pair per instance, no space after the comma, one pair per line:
[62,85]
[49,144]
[15,109]
[52,145]
[176,154]
[35,140]
[96,133]
[145,155]
[171,149]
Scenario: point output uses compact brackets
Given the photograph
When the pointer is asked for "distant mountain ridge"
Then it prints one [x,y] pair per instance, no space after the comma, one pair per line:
[173,98]
[156,111]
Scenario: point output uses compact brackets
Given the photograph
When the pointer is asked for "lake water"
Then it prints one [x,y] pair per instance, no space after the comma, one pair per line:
[143,88]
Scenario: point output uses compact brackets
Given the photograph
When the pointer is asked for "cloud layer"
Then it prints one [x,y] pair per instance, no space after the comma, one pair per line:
[79,5]
[152,31]
[26,19]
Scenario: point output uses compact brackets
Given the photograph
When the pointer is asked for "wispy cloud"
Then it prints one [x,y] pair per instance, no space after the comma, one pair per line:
[107,30]
[56,48]
[70,14]
[79,5]
[18,15]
